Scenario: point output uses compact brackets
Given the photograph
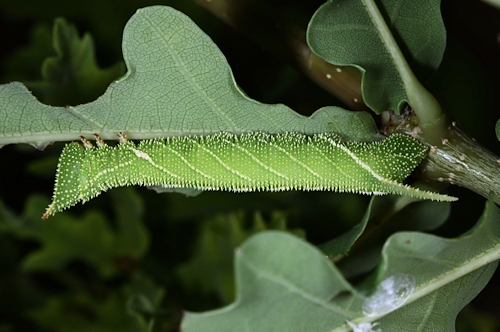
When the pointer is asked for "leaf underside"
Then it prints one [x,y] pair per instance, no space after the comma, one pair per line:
[445,275]
[178,83]
[345,32]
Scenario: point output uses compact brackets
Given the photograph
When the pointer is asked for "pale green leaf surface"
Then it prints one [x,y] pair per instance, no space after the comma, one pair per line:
[449,272]
[497,129]
[391,214]
[178,82]
[381,38]
[285,284]
[355,126]
[385,215]
[438,311]
[211,267]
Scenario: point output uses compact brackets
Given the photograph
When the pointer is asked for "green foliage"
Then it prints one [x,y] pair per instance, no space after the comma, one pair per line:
[380,38]
[24,63]
[374,37]
[90,238]
[188,88]
[81,313]
[211,267]
[73,71]
[322,300]
[137,262]
[72,75]
[377,225]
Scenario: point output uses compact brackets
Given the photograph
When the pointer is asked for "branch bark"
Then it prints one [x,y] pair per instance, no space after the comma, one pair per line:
[453,157]
[459,160]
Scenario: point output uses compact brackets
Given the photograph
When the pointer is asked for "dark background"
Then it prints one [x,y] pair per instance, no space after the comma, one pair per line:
[466,84]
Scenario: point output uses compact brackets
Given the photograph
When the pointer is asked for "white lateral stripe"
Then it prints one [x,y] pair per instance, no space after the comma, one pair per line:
[415,192]
[145,156]
[358,161]
[111,169]
[189,164]
[257,160]
[297,161]
[333,163]
[232,170]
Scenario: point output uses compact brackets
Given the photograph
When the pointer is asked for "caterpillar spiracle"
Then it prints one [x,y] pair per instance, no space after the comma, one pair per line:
[247,162]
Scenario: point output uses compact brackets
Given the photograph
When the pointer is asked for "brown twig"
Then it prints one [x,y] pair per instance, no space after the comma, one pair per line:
[459,160]
[456,159]
[287,40]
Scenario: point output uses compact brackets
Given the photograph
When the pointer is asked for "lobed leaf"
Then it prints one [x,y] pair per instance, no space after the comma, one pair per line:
[437,277]
[72,76]
[90,239]
[211,268]
[23,64]
[388,215]
[385,39]
[178,83]
[80,311]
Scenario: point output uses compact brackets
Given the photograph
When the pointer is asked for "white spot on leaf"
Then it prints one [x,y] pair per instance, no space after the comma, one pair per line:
[391,294]
[364,327]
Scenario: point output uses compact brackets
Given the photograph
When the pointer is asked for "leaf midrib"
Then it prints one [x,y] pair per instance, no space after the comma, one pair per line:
[258,271]
[213,106]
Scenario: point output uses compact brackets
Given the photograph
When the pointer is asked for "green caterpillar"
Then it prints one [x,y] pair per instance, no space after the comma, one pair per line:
[247,162]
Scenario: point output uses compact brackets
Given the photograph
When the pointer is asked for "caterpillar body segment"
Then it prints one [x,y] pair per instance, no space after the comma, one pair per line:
[239,163]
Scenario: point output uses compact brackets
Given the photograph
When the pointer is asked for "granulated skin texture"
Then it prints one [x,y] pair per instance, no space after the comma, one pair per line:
[239,163]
